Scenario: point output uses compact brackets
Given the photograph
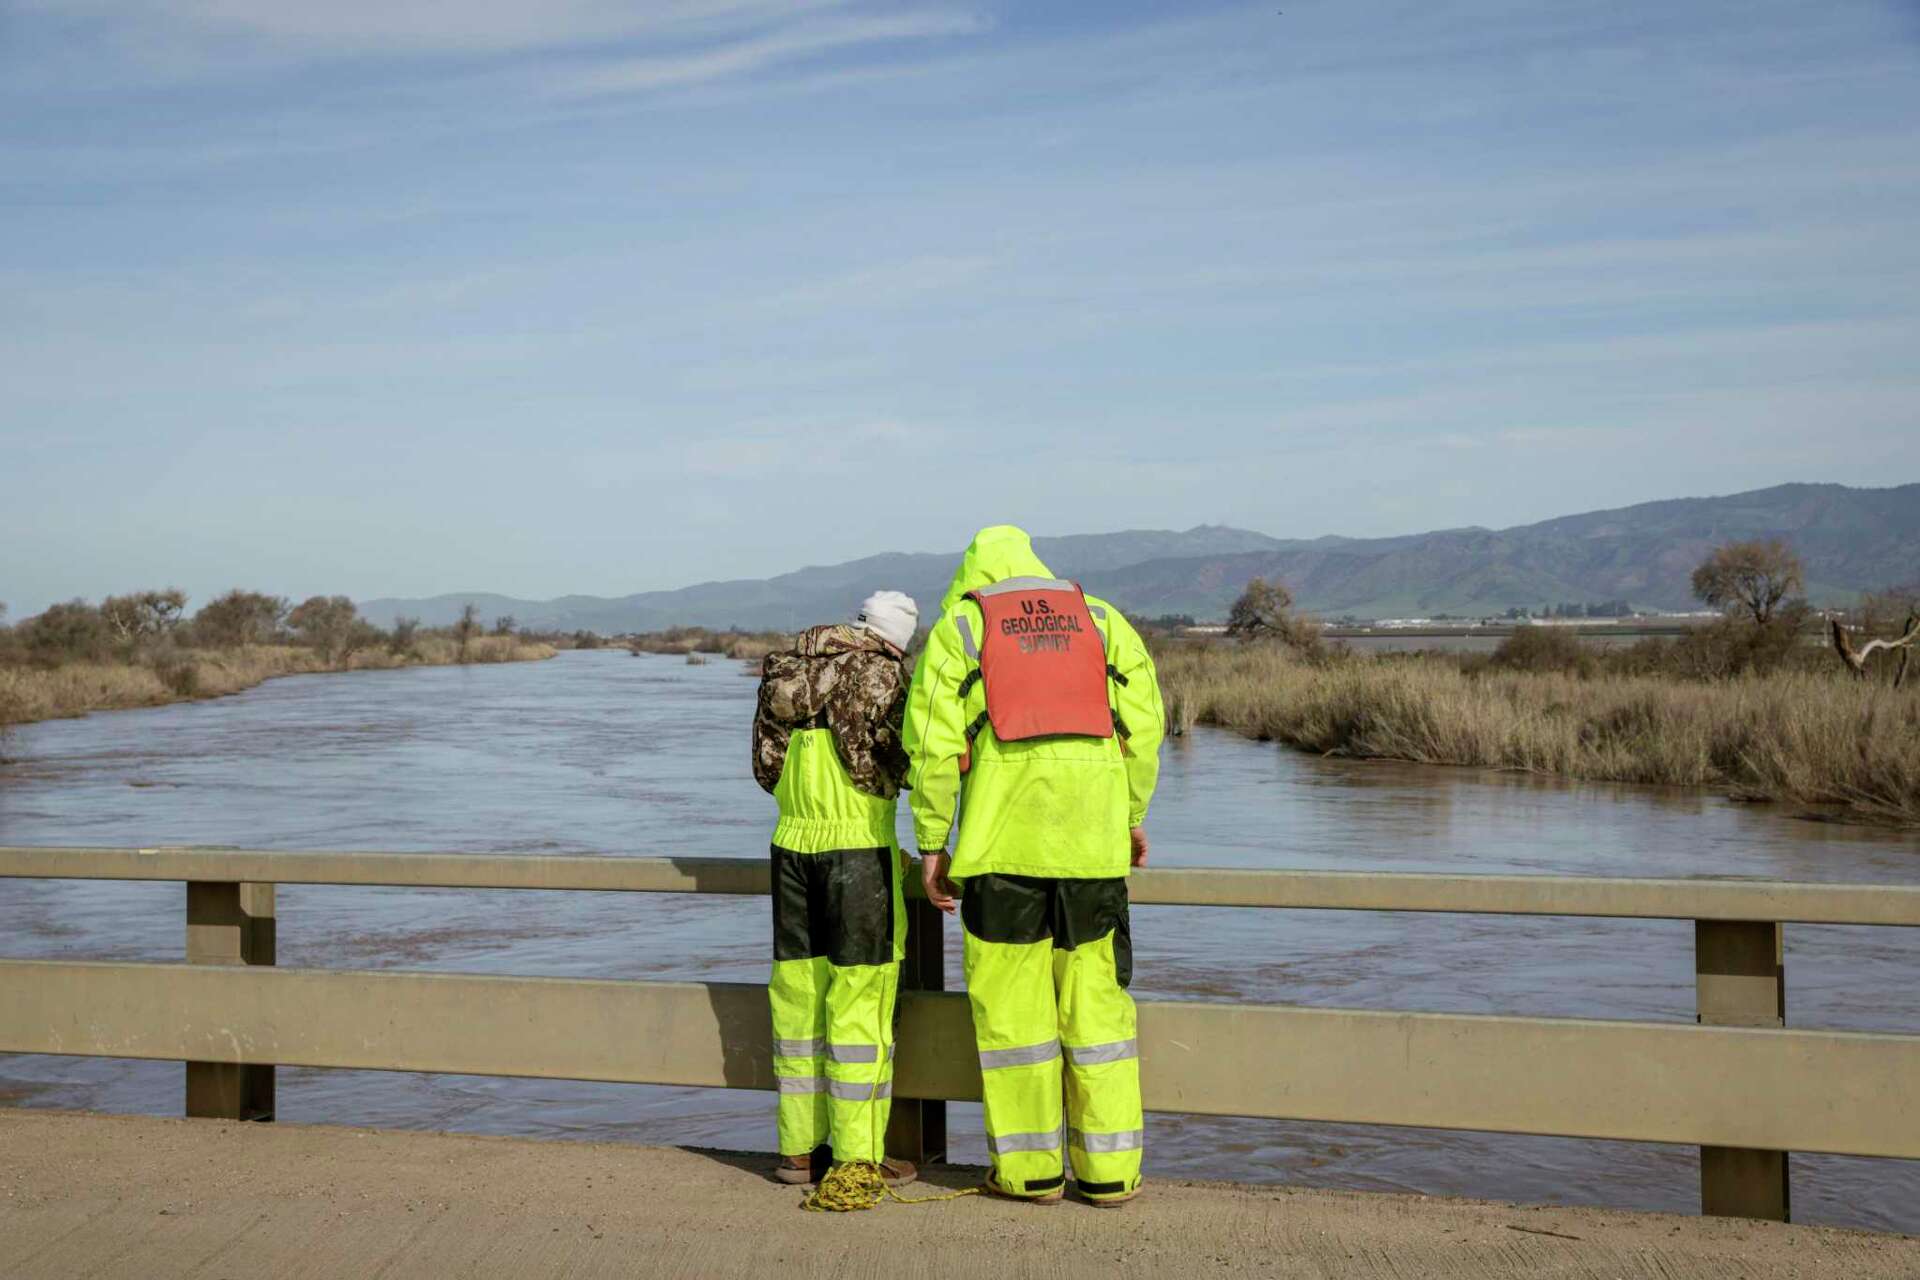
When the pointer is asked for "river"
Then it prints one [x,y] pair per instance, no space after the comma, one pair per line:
[603,752]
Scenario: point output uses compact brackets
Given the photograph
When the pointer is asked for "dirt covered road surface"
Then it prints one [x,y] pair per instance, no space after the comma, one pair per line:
[122,1196]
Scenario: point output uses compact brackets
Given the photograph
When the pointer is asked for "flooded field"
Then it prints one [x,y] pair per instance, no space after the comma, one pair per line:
[602,752]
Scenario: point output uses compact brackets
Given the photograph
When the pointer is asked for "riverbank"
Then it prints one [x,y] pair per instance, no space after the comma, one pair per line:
[1816,740]
[29,694]
[102,1196]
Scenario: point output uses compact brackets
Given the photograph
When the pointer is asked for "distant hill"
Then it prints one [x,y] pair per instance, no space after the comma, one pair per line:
[1852,540]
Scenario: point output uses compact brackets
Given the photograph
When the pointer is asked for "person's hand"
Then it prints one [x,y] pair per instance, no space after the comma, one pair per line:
[1138,838]
[933,878]
[906,866]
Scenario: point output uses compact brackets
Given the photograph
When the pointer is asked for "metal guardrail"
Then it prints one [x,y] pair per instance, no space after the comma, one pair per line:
[1740,1084]
[1696,899]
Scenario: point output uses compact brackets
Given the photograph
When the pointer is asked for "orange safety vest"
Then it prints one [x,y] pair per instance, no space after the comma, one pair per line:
[1043,661]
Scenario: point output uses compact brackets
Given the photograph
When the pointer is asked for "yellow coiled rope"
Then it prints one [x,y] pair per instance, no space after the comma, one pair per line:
[858,1184]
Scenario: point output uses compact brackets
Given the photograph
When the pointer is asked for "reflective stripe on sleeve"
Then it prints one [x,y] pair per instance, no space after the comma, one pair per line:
[967,642]
[858,1090]
[802,1084]
[1001,1144]
[1098,1143]
[800,1048]
[1115,1051]
[854,1052]
[1025,1056]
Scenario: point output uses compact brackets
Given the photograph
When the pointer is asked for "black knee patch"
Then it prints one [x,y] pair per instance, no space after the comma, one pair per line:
[838,905]
[1014,909]
[1026,909]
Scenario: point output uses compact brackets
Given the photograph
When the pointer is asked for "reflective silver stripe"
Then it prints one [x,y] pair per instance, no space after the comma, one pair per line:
[1098,1143]
[1025,1056]
[1097,610]
[1006,1142]
[1117,1051]
[800,1048]
[802,1084]
[966,637]
[856,1091]
[854,1052]
[1024,584]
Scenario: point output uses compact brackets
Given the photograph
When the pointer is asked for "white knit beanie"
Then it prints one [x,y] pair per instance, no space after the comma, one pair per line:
[892,616]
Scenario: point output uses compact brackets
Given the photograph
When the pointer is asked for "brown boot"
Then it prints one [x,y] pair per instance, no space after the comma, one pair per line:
[897,1173]
[799,1170]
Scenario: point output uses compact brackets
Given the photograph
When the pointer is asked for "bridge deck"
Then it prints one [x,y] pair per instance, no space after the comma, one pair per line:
[110,1196]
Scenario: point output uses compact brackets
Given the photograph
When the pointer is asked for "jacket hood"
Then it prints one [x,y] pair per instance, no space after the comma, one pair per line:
[996,553]
[836,638]
[825,666]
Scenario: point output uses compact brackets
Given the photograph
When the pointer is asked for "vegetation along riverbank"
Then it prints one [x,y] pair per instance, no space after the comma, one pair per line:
[1757,705]
[141,650]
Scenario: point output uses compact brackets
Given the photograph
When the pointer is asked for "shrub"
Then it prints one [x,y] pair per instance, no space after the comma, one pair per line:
[403,640]
[1542,648]
[1736,646]
[70,632]
[180,675]
[240,618]
[331,627]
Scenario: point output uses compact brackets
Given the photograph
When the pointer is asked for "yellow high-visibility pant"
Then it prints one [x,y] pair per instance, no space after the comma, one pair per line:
[1047,964]
[838,930]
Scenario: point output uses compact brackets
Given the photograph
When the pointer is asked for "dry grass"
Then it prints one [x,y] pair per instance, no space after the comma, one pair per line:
[444,651]
[1811,739]
[748,646]
[34,693]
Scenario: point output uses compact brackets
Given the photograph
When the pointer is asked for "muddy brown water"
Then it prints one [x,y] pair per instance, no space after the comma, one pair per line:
[602,752]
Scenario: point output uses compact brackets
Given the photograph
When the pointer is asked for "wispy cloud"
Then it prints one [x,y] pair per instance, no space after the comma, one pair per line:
[790,44]
[331,28]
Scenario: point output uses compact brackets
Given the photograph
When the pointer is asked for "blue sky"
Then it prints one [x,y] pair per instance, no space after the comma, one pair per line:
[397,297]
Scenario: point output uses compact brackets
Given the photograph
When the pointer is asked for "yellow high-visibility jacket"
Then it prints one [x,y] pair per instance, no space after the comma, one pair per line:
[1058,806]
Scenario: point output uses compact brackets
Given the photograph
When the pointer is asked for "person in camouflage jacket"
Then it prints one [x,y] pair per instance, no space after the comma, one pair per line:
[844,679]
[827,745]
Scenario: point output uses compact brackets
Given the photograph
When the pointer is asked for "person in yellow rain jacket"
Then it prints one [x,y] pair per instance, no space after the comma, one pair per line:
[826,744]
[1035,717]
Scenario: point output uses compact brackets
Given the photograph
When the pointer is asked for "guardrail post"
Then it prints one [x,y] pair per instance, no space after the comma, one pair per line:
[229,923]
[917,1130]
[1740,981]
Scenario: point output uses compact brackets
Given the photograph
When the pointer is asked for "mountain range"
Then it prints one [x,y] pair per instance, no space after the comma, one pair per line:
[1851,540]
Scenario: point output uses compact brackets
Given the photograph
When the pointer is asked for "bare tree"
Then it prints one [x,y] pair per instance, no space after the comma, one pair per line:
[1856,659]
[1265,611]
[504,624]
[467,628]
[1750,576]
[144,615]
